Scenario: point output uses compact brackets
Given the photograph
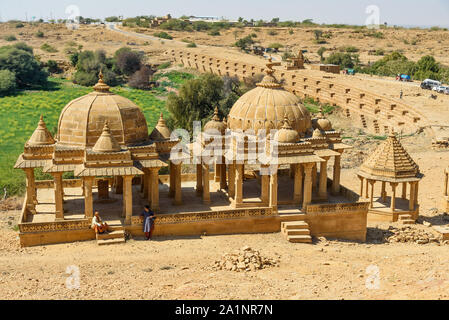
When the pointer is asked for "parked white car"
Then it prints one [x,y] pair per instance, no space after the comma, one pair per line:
[441,89]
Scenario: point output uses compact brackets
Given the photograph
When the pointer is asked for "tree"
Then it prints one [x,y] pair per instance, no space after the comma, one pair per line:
[344,60]
[20,60]
[7,82]
[141,78]
[196,101]
[245,42]
[127,61]
[89,65]
[321,52]
[318,34]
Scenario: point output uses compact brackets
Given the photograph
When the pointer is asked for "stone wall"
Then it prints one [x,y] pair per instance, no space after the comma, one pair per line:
[373,112]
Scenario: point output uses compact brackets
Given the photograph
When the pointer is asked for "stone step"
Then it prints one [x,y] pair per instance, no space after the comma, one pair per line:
[111,241]
[300,239]
[408,221]
[405,217]
[295,225]
[111,235]
[297,232]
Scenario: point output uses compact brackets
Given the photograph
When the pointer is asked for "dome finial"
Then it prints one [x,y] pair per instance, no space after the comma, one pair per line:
[106,142]
[286,122]
[216,117]
[41,136]
[101,86]
[269,81]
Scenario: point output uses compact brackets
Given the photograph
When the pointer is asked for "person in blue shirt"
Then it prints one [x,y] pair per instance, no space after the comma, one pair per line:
[148,222]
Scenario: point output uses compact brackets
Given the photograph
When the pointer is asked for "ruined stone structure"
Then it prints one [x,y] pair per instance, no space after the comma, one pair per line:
[331,68]
[371,111]
[103,140]
[391,164]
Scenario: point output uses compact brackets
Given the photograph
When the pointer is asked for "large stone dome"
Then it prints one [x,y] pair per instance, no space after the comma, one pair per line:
[266,106]
[82,121]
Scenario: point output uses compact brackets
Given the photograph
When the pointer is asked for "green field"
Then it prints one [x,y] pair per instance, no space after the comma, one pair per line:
[20,115]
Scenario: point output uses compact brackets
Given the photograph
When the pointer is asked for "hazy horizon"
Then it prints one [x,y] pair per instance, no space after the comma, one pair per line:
[399,12]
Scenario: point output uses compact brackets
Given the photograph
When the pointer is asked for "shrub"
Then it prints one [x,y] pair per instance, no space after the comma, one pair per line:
[244,43]
[7,82]
[287,55]
[19,25]
[191,45]
[276,46]
[163,35]
[85,78]
[344,60]
[39,34]
[10,38]
[214,33]
[321,52]
[19,59]
[349,49]
[48,48]
[52,66]
[272,33]
[165,65]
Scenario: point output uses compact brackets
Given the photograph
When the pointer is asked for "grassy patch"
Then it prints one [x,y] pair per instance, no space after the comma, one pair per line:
[21,112]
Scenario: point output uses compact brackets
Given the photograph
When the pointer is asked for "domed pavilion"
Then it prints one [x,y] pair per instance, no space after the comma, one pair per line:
[264,165]
[391,164]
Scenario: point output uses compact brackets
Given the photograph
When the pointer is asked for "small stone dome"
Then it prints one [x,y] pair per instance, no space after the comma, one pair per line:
[265,106]
[321,122]
[106,142]
[216,124]
[81,121]
[287,134]
[317,133]
[41,136]
[161,131]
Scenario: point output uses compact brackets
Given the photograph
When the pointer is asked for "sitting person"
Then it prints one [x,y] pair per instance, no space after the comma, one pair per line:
[98,225]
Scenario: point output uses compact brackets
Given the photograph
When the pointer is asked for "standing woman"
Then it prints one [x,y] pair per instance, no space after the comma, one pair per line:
[148,222]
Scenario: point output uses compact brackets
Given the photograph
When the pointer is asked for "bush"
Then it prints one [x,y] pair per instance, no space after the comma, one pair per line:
[39,34]
[276,46]
[141,78]
[272,33]
[128,61]
[344,60]
[7,82]
[85,78]
[244,43]
[10,38]
[349,49]
[191,45]
[52,66]
[165,65]
[19,59]
[163,35]
[214,33]
[48,48]
[19,25]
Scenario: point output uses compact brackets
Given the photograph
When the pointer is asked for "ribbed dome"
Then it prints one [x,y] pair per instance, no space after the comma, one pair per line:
[265,106]
[81,121]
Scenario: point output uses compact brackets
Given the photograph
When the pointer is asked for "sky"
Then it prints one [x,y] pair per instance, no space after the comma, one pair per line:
[394,12]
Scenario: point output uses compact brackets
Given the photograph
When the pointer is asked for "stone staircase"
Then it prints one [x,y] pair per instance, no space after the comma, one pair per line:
[296,231]
[115,236]
[406,219]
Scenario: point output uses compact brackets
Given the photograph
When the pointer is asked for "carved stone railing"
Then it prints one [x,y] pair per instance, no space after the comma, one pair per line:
[208,216]
[337,208]
[55,226]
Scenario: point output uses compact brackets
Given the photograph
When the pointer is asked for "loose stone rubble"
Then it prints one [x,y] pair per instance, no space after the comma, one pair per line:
[244,260]
[409,234]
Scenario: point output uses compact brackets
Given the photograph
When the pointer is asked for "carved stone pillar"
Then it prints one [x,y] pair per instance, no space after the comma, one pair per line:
[128,198]
[178,185]
[239,184]
[314,177]
[231,183]
[416,192]
[274,190]
[412,197]
[322,194]
[149,184]
[297,193]
[217,172]
[371,199]
[31,190]
[206,184]
[155,189]
[361,186]
[308,167]
[336,174]
[404,190]
[265,189]
[384,192]
[446,182]
[59,196]
[88,183]
[146,185]
[393,197]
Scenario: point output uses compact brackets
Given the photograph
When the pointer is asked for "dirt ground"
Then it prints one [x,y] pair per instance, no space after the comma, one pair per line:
[182,268]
